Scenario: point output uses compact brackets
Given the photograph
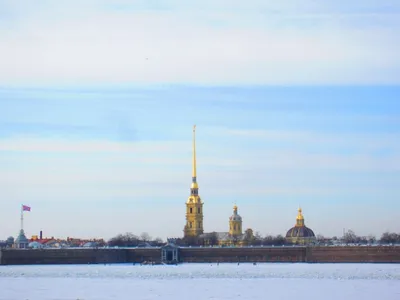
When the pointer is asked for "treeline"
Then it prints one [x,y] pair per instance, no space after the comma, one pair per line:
[131,240]
[212,240]
[350,237]
[145,240]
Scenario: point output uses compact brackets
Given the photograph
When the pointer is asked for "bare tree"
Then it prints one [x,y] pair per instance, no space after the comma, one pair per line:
[158,240]
[248,236]
[350,237]
[213,239]
[145,237]
[124,240]
[320,238]
[390,238]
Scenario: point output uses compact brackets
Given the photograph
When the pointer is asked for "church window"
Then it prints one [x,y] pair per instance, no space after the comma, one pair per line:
[234,227]
[190,224]
[198,210]
[191,210]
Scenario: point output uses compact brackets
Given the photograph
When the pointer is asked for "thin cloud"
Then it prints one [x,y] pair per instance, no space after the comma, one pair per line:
[54,145]
[102,46]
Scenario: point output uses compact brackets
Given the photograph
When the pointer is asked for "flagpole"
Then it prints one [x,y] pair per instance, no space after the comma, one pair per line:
[22,218]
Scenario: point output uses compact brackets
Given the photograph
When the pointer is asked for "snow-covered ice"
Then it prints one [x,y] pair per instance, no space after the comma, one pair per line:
[201,281]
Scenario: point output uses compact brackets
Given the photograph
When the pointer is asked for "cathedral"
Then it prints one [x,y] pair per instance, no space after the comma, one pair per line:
[194,205]
[300,234]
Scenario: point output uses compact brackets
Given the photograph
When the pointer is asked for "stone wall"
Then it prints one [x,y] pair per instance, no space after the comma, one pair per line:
[250,254]
[382,254]
[61,256]
[139,255]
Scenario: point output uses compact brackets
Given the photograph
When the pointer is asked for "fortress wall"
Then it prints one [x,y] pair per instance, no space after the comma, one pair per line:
[256,254]
[361,254]
[381,254]
[61,256]
[138,255]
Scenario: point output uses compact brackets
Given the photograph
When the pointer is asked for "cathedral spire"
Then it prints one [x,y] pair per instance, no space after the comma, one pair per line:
[194,155]
[194,205]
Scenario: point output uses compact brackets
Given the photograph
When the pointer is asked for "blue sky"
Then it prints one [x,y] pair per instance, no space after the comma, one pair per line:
[294,105]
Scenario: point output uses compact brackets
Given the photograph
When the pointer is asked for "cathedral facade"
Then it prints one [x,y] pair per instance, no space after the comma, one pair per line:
[194,215]
[299,234]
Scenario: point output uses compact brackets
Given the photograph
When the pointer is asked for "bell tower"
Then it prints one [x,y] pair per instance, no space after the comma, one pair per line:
[235,223]
[194,205]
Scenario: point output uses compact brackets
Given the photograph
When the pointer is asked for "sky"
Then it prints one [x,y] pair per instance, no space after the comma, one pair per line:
[296,104]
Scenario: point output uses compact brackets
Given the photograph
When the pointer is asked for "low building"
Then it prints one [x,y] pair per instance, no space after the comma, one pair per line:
[35,245]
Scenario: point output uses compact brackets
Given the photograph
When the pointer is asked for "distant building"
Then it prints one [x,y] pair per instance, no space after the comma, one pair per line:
[234,237]
[194,217]
[35,245]
[9,243]
[53,242]
[300,234]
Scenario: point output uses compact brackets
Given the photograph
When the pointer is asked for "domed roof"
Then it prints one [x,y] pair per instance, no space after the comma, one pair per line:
[300,231]
[235,217]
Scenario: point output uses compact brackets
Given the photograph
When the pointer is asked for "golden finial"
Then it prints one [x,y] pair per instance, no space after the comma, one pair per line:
[299,214]
[299,218]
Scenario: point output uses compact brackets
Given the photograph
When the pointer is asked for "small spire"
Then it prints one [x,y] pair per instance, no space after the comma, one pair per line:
[299,218]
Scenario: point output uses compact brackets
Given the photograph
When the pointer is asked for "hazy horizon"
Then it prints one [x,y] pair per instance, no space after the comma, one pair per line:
[296,103]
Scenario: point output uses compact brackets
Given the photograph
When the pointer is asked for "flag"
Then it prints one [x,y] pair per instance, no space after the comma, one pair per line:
[26,208]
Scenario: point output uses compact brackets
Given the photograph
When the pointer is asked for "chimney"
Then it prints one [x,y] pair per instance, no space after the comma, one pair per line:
[41,235]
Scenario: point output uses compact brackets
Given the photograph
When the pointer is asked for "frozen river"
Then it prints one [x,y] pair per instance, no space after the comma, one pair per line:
[201,281]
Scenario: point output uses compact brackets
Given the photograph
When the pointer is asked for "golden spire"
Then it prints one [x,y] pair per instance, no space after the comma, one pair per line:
[194,173]
[194,152]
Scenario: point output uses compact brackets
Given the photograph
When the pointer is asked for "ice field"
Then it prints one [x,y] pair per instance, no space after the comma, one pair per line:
[277,281]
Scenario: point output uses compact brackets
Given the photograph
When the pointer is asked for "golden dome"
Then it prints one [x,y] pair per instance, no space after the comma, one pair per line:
[194,185]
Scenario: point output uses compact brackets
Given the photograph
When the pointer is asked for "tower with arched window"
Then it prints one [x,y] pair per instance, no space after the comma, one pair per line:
[194,205]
